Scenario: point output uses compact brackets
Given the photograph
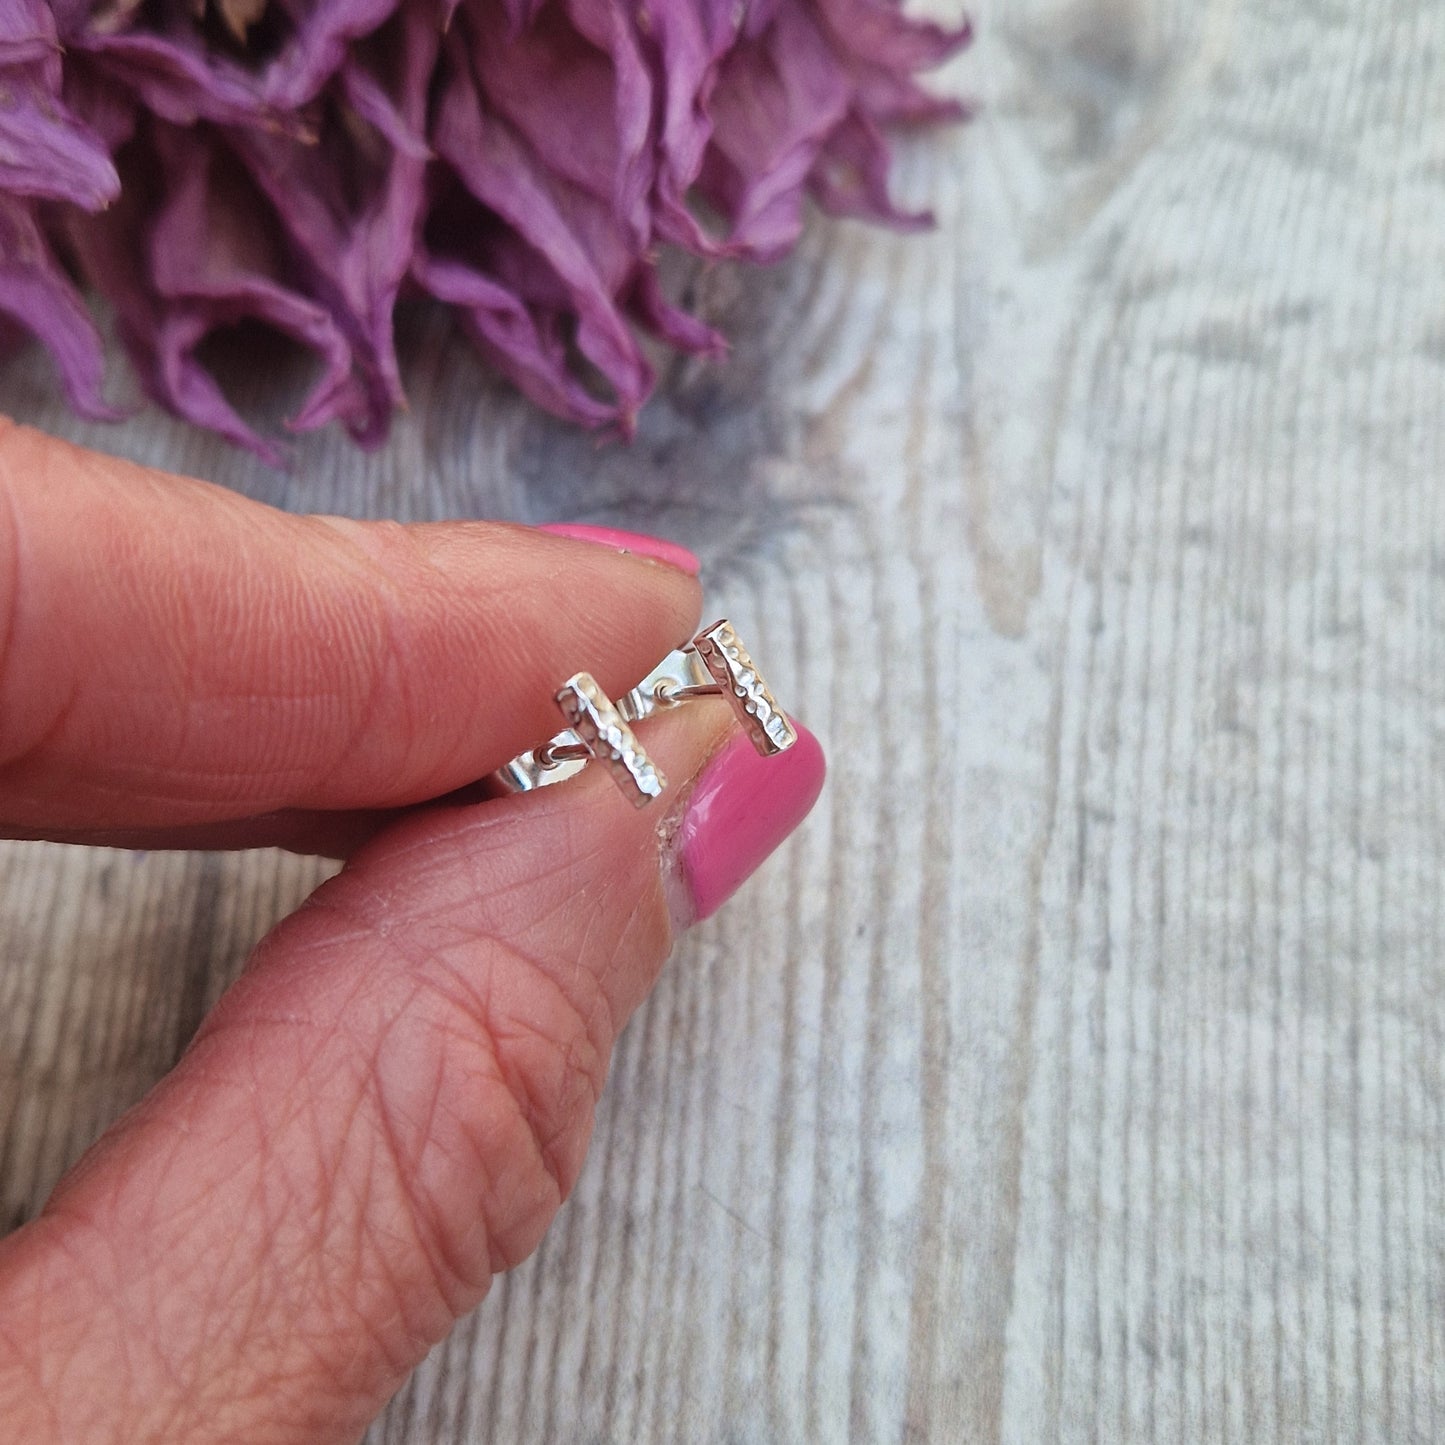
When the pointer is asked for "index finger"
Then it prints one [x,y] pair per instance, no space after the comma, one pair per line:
[173,653]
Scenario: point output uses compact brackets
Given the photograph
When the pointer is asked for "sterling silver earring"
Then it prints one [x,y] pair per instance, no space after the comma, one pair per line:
[714,664]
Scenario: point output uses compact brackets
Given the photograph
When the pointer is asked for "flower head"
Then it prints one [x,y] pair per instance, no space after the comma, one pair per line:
[305,163]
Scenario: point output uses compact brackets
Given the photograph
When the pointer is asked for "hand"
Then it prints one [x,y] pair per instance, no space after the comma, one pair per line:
[392,1102]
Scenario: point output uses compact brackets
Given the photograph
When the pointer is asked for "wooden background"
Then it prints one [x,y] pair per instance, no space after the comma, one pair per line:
[1076,1073]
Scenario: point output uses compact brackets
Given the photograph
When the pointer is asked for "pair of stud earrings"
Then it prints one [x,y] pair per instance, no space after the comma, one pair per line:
[714,664]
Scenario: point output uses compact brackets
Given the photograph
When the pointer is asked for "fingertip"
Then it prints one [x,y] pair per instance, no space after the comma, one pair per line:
[658,549]
[186,656]
[740,810]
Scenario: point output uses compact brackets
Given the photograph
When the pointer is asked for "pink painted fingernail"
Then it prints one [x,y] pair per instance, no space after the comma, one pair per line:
[740,810]
[635,542]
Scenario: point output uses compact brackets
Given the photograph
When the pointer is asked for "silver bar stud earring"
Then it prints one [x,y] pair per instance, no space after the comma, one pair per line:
[714,664]
[598,732]
[604,732]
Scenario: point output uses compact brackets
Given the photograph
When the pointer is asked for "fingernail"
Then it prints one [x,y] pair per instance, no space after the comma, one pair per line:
[635,542]
[740,809]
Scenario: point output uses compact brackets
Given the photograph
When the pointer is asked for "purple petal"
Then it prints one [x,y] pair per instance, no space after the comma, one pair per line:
[670,323]
[106,109]
[608,26]
[179,83]
[778,99]
[170,292]
[881,35]
[508,334]
[28,37]
[47,152]
[35,291]
[691,40]
[543,148]
[851,176]
[571,241]
[325,29]
[368,98]
[181,384]
[72,17]
[357,250]
[212,265]
[574,89]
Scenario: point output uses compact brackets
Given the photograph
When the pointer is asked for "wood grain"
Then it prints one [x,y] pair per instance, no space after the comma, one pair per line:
[1075,1074]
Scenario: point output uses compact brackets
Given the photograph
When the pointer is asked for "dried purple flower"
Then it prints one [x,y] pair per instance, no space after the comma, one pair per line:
[304,163]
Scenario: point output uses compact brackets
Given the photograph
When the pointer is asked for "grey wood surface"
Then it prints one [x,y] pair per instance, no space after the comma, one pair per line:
[1076,1073]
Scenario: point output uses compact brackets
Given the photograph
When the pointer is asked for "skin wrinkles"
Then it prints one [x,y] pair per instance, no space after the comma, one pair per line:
[313,1270]
[43,730]
[49,1352]
[528,1040]
[402,1317]
[23,1400]
[445,1085]
[456,1281]
[528,1065]
[204,1290]
[517,909]
[390,703]
[11,593]
[449,1011]
[392,1102]
[23,756]
[231,660]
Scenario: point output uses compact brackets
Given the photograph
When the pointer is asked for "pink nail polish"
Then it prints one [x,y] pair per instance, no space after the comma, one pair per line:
[740,810]
[654,547]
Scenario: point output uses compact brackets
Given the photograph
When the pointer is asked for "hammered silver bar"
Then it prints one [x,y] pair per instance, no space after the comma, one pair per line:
[728,665]
[714,663]
[602,729]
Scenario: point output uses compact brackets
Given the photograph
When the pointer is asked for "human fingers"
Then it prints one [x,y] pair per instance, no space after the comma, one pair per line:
[172,653]
[316,832]
[387,1109]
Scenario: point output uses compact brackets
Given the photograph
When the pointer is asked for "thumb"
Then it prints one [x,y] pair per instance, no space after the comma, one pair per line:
[386,1109]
